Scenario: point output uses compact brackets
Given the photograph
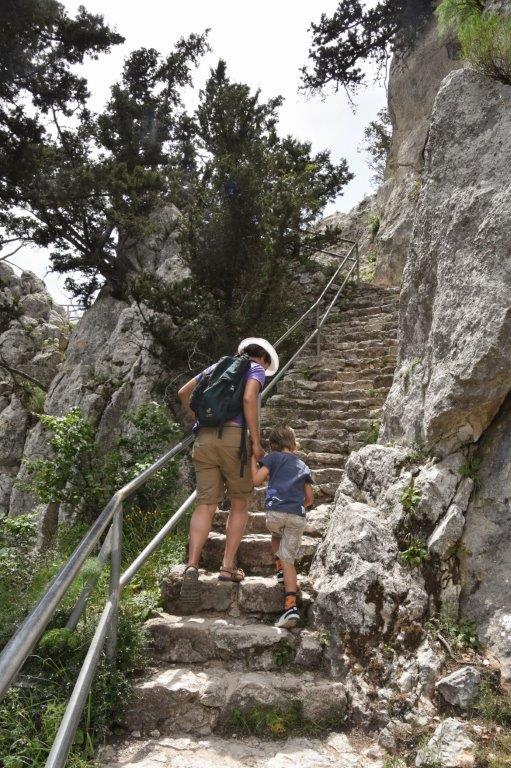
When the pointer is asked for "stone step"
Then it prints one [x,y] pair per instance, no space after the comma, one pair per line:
[254,596]
[328,475]
[317,460]
[256,522]
[200,701]
[184,750]
[254,554]
[242,642]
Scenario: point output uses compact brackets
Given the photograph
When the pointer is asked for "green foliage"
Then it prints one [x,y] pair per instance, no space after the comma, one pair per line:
[493,706]
[496,753]
[278,722]
[374,224]
[253,199]
[460,633]
[35,397]
[393,762]
[416,554]
[377,142]
[355,34]
[30,714]
[484,37]
[80,182]
[410,498]
[283,654]
[470,468]
[372,434]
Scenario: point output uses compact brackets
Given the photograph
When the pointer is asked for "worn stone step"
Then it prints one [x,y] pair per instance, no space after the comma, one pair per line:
[254,596]
[254,554]
[327,475]
[320,445]
[198,639]
[200,701]
[256,522]
[184,750]
[318,460]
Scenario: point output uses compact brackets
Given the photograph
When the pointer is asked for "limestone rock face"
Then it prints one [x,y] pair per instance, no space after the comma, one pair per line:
[33,338]
[108,371]
[362,589]
[486,550]
[455,319]
[413,84]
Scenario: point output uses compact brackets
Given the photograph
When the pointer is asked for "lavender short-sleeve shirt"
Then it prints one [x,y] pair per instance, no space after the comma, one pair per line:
[255,372]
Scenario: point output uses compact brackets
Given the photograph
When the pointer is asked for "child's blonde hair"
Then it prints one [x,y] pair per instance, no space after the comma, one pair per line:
[282,437]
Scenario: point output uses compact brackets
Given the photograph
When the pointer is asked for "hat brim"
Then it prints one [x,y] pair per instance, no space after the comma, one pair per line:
[274,365]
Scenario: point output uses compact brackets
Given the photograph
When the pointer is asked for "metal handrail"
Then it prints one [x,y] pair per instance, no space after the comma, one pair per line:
[23,642]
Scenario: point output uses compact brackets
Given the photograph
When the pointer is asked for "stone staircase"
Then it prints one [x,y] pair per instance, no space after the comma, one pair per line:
[227,670]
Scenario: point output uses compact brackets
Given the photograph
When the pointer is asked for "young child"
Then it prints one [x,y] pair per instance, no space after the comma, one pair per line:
[289,490]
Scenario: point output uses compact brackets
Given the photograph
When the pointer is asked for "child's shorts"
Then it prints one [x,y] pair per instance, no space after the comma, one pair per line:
[290,529]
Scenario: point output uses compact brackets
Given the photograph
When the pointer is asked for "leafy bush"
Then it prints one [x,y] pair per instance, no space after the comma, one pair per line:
[485,38]
[416,554]
[410,498]
[470,468]
[460,633]
[371,436]
[31,712]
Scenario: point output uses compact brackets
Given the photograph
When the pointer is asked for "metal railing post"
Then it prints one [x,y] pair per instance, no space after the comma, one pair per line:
[318,328]
[115,582]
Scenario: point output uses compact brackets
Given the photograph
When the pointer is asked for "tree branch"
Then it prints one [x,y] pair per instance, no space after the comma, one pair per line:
[16,372]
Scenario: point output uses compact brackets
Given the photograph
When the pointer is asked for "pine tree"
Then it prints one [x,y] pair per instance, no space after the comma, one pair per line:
[354,34]
[252,205]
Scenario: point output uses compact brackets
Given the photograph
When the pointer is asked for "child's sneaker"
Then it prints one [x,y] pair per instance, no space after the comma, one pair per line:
[289,618]
[279,571]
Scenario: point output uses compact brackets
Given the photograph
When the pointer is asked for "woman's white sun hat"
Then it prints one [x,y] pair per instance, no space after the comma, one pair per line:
[274,365]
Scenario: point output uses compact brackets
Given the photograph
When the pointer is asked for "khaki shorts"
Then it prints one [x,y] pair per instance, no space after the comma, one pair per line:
[217,466]
[290,529]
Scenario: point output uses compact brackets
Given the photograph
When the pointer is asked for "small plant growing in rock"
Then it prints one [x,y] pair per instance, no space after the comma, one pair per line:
[393,762]
[493,706]
[374,224]
[415,554]
[470,468]
[371,436]
[283,654]
[325,638]
[460,633]
[410,498]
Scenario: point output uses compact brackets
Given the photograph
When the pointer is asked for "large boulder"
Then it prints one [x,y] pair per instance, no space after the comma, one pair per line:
[454,367]
[364,594]
[486,543]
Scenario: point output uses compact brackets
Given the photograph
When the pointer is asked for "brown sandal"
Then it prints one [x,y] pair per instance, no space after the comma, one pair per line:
[236,575]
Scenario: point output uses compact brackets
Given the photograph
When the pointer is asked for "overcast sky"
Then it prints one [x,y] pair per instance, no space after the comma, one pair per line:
[264,45]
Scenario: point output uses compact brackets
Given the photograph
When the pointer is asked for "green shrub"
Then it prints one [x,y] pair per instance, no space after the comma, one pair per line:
[459,633]
[371,436]
[416,554]
[374,224]
[470,468]
[410,498]
[493,706]
[30,714]
[485,38]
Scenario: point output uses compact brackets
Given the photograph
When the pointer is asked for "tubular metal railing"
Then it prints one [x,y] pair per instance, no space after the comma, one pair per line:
[23,642]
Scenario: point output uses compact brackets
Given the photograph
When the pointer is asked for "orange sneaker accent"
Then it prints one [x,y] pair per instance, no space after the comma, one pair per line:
[289,602]
[278,564]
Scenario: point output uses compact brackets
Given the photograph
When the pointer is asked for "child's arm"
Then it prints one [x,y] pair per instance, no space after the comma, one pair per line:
[259,474]
[309,495]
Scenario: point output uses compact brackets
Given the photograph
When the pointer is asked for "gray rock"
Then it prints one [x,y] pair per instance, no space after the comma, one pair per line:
[447,533]
[374,468]
[362,589]
[449,747]
[455,318]
[486,543]
[310,650]
[461,687]
[13,428]
[437,484]
[414,80]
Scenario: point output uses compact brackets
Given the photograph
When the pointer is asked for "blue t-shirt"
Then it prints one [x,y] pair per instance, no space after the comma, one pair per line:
[288,475]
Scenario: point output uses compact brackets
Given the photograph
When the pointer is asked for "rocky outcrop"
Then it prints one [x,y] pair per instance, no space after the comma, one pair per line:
[455,323]
[108,370]
[486,550]
[414,80]
[33,338]
[450,747]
